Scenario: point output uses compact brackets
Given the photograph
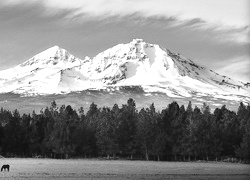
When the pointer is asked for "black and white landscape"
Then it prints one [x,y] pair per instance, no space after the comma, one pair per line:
[124,89]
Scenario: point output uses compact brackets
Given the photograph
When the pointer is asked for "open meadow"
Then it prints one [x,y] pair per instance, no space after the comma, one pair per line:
[120,169]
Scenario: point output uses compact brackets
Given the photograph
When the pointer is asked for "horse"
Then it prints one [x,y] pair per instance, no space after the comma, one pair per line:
[5,167]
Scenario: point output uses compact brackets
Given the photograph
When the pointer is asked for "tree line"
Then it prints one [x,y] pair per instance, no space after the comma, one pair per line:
[175,133]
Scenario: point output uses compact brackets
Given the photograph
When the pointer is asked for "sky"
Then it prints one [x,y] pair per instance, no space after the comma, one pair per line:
[213,33]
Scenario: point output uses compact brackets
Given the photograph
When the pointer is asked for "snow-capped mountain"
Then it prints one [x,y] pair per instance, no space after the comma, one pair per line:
[135,64]
[39,74]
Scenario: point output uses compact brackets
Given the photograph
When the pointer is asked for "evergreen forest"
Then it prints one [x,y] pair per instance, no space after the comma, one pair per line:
[175,133]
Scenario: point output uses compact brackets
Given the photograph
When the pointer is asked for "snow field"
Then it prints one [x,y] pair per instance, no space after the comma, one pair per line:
[55,71]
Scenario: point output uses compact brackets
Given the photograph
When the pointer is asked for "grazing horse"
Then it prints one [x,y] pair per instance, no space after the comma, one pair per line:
[5,167]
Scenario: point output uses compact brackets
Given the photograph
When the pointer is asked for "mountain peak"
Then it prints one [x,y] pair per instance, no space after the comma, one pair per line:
[55,47]
[52,55]
[136,41]
[51,51]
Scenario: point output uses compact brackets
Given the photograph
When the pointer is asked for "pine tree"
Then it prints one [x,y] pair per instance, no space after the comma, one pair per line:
[12,141]
[145,133]
[243,151]
[106,133]
[126,128]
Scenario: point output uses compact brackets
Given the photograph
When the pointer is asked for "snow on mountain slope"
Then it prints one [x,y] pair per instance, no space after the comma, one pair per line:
[37,75]
[154,69]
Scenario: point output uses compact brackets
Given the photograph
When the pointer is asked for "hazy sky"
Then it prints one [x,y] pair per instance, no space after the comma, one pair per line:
[213,33]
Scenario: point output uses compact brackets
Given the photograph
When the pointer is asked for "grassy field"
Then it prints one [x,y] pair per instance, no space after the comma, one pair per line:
[118,169]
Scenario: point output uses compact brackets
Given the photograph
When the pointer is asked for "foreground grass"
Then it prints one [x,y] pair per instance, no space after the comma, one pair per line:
[117,169]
